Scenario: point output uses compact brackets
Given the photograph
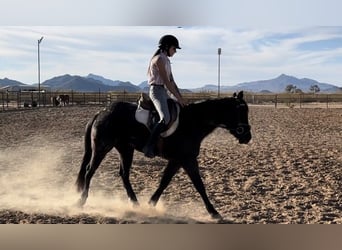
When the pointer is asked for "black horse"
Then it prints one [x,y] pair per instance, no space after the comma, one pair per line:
[117,127]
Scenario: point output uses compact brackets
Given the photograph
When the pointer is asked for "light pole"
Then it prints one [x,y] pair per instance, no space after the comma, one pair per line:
[219,72]
[39,41]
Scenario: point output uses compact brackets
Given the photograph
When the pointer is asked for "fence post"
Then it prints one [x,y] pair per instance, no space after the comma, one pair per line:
[72,97]
[110,98]
[44,99]
[18,99]
[327,101]
[99,95]
[3,101]
[276,101]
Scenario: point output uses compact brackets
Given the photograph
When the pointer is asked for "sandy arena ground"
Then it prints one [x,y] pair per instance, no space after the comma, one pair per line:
[291,172]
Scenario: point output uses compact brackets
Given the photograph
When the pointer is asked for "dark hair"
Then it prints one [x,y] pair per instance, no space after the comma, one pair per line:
[158,51]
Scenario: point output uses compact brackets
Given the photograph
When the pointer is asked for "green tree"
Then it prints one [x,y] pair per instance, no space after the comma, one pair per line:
[315,88]
[290,88]
[298,91]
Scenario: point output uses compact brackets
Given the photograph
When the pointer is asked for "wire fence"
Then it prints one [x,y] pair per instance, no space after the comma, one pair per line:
[298,100]
[32,99]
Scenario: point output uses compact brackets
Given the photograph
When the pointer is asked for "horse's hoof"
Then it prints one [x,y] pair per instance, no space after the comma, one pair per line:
[152,203]
[135,204]
[217,217]
[80,203]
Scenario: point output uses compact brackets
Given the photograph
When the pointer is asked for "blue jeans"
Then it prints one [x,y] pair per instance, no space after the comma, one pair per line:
[159,96]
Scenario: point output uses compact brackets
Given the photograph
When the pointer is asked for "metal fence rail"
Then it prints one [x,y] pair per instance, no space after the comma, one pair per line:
[18,100]
[21,100]
[296,100]
[29,99]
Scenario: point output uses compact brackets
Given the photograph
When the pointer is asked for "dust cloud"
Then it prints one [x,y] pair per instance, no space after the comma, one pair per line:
[33,179]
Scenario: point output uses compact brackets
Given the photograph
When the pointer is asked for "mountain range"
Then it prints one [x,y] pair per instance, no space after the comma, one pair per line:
[276,85]
[94,83]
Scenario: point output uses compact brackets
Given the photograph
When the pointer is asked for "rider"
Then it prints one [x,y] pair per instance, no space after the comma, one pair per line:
[160,80]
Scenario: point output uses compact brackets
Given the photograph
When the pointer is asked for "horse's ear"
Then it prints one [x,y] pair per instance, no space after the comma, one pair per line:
[240,95]
[234,95]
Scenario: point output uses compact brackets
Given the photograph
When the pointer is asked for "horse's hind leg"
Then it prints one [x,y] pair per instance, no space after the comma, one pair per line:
[191,168]
[95,162]
[170,170]
[126,158]
[81,175]
[87,155]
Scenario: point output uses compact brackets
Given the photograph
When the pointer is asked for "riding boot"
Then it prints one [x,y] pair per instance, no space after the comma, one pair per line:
[152,141]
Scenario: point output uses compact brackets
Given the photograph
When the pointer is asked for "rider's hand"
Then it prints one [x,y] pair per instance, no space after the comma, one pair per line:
[183,102]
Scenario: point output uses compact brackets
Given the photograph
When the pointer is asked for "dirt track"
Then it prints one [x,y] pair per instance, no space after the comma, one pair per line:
[291,172]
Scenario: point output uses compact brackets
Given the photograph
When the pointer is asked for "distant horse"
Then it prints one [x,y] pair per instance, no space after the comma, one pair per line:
[63,99]
[117,127]
[60,100]
[54,101]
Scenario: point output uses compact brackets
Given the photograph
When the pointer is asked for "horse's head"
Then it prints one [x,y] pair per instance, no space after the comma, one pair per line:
[237,119]
[241,128]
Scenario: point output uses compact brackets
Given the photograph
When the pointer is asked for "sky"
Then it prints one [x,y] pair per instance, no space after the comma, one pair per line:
[256,42]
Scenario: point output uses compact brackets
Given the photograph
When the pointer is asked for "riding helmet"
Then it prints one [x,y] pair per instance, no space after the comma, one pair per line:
[167,41]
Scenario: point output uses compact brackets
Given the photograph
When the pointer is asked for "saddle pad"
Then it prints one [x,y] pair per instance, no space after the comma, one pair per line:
[173,127]
[142,116]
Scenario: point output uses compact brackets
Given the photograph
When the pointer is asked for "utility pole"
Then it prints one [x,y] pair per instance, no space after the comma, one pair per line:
[39,41]
[219,72]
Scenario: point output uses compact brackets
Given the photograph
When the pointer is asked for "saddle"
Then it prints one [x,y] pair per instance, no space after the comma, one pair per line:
[147,114]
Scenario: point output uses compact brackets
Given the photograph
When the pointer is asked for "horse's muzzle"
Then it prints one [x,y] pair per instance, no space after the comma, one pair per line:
[243,133]
[246,138]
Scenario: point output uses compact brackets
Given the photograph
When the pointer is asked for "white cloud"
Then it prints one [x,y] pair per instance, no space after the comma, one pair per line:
[123,52]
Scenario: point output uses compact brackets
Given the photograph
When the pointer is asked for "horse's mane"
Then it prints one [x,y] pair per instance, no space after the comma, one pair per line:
[210,104]
[208,107]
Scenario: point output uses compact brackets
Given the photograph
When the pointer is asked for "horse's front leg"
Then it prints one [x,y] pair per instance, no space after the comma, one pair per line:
[170,170]
[191,168]
[126,158]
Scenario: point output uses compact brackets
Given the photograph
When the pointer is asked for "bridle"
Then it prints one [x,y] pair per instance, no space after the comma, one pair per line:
[242,129]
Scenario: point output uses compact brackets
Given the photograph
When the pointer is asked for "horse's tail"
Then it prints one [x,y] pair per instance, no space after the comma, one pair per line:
[87,155]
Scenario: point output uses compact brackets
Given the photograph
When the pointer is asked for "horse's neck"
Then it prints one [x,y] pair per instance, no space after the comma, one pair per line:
[208,112]
[204,117]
